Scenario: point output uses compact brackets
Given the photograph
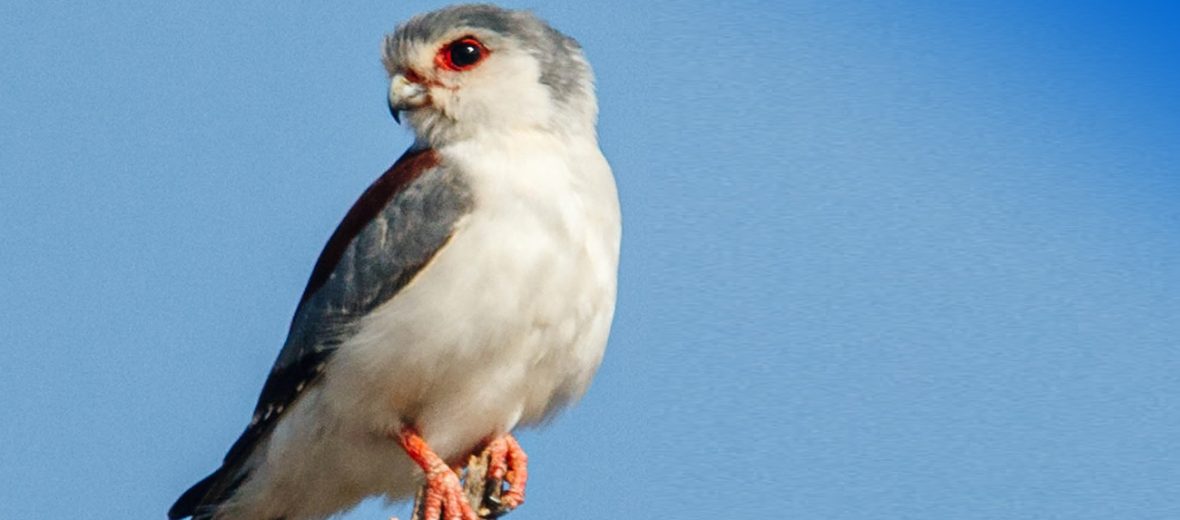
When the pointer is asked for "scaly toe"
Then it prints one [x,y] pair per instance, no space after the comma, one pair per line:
[444,498]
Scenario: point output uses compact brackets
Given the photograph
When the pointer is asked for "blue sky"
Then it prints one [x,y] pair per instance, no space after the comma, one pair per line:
[915,260]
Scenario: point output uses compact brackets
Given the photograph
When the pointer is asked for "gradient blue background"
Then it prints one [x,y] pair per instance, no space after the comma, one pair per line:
[916,260]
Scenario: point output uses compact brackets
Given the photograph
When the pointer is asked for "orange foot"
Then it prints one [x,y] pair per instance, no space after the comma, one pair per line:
[443,498]
[507,463]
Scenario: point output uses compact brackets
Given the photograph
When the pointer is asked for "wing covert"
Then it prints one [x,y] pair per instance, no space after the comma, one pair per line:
[392,231]
[388,236]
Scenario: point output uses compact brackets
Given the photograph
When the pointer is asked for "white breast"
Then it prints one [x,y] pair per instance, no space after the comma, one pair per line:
[510,319]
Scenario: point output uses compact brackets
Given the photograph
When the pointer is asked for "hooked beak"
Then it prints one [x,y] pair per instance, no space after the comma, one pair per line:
[405,95]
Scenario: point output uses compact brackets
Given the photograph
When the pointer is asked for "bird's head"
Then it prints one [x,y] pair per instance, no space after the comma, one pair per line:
[467,69]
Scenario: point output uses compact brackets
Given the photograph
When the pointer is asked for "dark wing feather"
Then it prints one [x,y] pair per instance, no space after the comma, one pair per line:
[388,236]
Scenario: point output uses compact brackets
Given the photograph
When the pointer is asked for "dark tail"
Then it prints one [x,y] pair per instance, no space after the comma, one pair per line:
[201,500]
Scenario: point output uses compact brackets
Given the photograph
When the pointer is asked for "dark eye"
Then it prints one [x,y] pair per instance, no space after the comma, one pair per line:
[462,55]
[465,54]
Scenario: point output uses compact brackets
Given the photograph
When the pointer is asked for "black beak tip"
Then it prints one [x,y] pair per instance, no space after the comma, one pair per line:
[397,118]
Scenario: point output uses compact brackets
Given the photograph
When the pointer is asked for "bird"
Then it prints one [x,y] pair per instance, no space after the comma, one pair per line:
[467,293]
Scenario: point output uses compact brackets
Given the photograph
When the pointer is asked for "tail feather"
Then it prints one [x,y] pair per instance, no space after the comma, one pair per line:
[201,501]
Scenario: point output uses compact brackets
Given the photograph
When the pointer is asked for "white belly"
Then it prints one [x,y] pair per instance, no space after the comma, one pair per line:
[505,325]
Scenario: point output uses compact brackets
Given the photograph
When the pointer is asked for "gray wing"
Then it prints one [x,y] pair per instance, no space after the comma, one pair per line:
[388,236]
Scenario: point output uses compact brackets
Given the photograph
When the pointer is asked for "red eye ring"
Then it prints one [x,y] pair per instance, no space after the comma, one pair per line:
[462,54]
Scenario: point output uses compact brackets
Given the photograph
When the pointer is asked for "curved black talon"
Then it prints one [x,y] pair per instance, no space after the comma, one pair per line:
[492,506]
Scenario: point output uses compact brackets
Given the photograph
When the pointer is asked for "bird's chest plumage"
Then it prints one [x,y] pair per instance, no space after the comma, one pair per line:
[509,320]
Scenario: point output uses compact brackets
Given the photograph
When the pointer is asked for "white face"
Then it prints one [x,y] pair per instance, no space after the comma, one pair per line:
[468,81]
